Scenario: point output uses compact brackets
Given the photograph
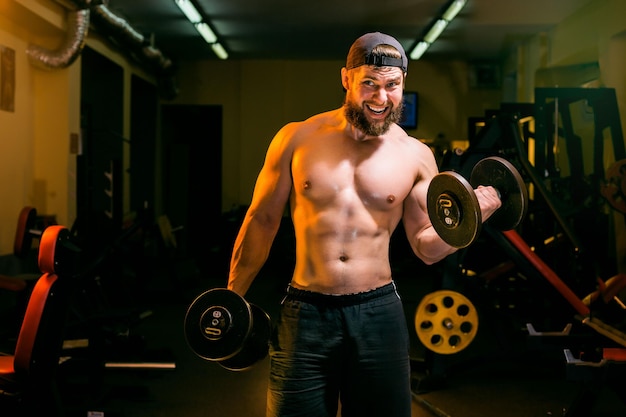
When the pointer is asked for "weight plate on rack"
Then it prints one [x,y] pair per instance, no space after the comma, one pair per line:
[446,322]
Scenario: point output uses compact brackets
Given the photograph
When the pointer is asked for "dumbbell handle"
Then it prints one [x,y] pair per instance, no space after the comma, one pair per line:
[498,193]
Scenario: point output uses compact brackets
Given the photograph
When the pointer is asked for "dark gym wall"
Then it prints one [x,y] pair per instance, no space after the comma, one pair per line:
[99,172]
[192,166]
[143,128]
[192,138]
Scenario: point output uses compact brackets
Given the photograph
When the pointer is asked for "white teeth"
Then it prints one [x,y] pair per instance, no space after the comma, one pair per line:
[377,110]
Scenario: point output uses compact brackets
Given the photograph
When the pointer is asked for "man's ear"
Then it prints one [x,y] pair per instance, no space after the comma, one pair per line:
[344,78]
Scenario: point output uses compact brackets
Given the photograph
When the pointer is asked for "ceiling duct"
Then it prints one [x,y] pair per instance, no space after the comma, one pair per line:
[78,25]
[118,31]
[124,34]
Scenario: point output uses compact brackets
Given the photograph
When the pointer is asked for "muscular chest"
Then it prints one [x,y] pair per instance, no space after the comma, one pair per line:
[374,175]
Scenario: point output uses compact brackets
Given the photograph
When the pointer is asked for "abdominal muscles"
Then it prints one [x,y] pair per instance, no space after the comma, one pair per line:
[342,250]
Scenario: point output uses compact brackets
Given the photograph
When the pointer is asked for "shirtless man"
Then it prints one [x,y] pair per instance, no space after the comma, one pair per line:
[349,175]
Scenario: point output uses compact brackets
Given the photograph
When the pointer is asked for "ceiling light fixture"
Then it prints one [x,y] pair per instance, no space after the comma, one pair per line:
[203,28]
[419,49]
[436,28]
[206,32]
[219,50]
[453,9]
[189,10]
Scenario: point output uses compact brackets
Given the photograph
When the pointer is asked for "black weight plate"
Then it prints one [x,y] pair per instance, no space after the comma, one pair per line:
[256,346]
[504,177]
[217,324]
[453,209]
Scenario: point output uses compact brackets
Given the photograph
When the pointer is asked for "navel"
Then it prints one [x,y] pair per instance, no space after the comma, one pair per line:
[343,258]
[391,198]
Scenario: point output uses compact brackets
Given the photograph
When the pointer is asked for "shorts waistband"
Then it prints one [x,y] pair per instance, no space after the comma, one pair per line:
[340,299]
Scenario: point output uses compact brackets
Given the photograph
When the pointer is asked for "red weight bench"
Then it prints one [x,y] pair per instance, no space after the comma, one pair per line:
[21,245]
[27,229]
[28,385]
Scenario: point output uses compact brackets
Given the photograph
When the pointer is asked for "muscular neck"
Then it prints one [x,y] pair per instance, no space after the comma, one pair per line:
[357,134]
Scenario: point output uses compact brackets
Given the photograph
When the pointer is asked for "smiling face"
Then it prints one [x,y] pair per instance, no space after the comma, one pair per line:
[373,97]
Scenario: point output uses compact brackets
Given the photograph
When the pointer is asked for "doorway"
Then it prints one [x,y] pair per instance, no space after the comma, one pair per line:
[192,194]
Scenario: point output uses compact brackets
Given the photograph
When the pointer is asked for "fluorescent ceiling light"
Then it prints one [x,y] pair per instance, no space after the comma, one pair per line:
[219,50]
[454,8]
[189,10]
[187,7]
[435,30]
[206,32]
[419,50]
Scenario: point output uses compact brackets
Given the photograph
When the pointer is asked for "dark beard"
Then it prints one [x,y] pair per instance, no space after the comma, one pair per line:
[356,117]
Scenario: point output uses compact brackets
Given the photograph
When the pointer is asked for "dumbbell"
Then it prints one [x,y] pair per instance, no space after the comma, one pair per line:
[25,232]
[453,207]
[221,326]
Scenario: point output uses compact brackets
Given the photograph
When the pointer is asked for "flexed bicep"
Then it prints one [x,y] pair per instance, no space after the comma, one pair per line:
[424,240]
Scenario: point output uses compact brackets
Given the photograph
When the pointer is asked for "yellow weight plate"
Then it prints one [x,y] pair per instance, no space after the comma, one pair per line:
[446,322]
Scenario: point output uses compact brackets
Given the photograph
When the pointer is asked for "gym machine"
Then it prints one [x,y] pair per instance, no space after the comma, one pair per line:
[561,146]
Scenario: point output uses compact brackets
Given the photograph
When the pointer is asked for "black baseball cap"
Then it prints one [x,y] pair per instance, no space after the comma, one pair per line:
[361,52]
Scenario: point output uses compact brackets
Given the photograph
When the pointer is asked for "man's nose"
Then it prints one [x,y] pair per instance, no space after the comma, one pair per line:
[381,94]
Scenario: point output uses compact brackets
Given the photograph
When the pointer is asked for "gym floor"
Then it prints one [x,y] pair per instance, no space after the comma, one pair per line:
[497,375]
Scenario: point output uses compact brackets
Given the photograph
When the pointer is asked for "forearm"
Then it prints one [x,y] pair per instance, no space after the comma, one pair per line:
[250,251]
[429,247]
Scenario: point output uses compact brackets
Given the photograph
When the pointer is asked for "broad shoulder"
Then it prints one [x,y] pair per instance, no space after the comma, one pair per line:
[417,145]
[419,154]
[413,145]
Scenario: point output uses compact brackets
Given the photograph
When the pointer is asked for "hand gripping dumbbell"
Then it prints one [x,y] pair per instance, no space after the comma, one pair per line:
[221,326]
[453,207]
